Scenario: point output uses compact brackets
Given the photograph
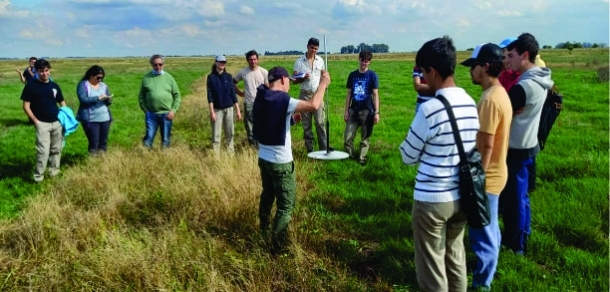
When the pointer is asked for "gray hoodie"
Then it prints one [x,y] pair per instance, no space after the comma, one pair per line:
[524,127]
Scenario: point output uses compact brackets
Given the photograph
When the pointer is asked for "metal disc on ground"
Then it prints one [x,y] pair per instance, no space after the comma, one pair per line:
[324,155]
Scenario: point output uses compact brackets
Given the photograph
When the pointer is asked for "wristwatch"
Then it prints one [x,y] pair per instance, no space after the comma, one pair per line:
[377,112]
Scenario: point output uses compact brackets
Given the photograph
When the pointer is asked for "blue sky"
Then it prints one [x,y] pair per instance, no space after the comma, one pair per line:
[107,28]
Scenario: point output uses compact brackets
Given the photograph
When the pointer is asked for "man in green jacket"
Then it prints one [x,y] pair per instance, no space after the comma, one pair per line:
[159,99]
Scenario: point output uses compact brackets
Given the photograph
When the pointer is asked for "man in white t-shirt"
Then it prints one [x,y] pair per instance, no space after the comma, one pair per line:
[313,67]
[253,76]
[272,112]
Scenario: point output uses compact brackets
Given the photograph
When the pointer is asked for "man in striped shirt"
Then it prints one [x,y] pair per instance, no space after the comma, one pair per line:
[437,218]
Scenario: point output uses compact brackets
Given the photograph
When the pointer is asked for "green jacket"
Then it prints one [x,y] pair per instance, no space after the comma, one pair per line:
[159,93]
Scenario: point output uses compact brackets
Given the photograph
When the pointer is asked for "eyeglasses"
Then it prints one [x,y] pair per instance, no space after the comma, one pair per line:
[100,78]
[158,65]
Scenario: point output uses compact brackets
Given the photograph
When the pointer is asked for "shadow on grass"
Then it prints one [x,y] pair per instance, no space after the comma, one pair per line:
[14,122]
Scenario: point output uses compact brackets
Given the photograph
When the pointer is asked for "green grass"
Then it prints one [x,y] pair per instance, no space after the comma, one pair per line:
[359,217]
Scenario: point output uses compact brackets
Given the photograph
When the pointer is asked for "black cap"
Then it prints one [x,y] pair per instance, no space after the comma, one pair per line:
[485,53]
[277,73]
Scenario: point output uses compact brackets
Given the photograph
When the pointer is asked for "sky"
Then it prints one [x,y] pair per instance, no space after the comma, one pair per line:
[116,28]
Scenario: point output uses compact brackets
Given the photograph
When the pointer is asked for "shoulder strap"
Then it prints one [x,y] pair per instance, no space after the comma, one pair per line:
[454,126]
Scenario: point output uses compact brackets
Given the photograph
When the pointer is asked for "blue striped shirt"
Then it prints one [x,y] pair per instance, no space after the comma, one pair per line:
[430,142]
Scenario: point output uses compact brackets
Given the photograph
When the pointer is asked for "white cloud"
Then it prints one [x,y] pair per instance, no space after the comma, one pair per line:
[137,32]
[190,30]
[247,10]
[355,7]
[7,10]
[83,32]
[463,22]
[484,5]
[54,42]
[210,23]
[509,13]
[205,8]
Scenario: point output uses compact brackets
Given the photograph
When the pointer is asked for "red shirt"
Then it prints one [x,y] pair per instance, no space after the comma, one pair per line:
[508,78]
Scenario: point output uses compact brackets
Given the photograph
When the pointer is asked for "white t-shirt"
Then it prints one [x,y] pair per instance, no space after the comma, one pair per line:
[252,79]
[302,66]
[280,153]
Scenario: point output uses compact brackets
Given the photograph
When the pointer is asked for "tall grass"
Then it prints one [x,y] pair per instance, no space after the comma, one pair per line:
[179,219]
[184,219]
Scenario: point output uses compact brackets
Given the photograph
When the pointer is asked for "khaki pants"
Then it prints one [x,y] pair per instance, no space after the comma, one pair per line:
[249,123]
[438,231]
[223,123]
[365,123]
[49,138]
[318,117]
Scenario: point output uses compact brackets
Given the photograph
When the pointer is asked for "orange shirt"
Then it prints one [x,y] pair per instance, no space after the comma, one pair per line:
[495,116]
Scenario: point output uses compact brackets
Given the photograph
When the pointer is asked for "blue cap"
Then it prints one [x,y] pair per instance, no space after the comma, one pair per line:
[221,58]
[506,42]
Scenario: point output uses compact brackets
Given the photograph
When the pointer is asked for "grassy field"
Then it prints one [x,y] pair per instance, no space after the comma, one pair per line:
[185,220]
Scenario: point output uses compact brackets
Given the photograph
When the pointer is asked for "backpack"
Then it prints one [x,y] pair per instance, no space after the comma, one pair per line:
[550,111]
[473,197]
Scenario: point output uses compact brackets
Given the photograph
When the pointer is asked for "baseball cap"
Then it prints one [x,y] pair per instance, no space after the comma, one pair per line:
[485,53]
[277,73]
[221,58]
[506,42]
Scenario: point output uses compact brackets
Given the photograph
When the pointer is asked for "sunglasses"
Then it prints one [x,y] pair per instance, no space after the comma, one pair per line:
[158,65]
[100,78]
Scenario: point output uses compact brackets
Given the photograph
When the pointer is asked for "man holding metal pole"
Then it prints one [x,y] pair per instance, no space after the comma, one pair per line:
[272,114]
[312,66]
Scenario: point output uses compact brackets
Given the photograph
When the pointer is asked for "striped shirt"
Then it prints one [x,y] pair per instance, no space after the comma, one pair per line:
[430,142]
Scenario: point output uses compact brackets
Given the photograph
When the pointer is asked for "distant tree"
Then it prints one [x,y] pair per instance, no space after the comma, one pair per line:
[294,52]
[595,45]
[375,48]
[547,47]
[603,45]
[470,49]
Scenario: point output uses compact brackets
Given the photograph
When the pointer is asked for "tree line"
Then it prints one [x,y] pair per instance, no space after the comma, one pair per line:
[293,52]
[576,45]
[374,48]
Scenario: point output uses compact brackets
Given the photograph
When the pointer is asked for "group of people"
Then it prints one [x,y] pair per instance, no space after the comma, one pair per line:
[502,126]
[159,99]
[361,105]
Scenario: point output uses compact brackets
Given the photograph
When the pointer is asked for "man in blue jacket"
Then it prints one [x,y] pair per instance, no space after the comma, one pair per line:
[40,98]
[272,113]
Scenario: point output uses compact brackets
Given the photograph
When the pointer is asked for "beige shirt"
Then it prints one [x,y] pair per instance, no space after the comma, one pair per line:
[495,116]
[302,66]
[252,79]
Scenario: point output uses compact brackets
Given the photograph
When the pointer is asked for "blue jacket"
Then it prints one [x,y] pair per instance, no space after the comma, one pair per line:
[67,120]
[269,115]
[221,90]
[90,103]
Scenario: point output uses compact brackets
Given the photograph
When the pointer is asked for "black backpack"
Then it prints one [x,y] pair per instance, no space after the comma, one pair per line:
[550,111]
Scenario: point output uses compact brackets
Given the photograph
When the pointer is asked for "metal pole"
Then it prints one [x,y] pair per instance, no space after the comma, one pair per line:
[326,104]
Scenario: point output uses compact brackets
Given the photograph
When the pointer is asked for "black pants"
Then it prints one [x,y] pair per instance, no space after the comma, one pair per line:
[97,134]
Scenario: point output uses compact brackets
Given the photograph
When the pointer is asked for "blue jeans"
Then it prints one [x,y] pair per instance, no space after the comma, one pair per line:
[154,121]
[485,243]
[97,134]
[515,205]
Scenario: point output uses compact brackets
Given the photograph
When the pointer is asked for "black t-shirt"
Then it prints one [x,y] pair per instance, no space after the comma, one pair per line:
[43,98]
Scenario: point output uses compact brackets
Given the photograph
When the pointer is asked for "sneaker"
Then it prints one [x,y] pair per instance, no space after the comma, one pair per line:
[362,162]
